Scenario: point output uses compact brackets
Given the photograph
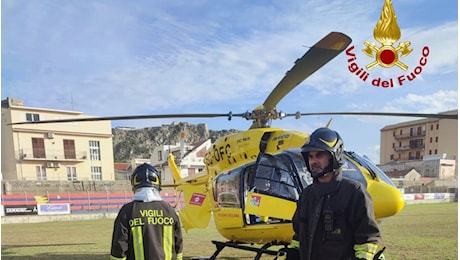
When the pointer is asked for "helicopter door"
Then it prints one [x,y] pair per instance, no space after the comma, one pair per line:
[197,210]
[274,189]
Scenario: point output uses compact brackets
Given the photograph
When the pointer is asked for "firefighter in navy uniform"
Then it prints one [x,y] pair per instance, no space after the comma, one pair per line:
[147,227]
[334,219]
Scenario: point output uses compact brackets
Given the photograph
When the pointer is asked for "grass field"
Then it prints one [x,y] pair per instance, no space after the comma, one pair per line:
[423,231]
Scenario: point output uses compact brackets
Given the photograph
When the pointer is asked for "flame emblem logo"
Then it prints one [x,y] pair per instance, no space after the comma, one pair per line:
[387,32]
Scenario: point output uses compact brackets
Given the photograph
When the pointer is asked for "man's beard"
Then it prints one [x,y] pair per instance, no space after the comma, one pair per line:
[316,168]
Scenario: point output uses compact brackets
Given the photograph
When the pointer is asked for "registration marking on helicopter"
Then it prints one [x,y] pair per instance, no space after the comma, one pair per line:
[197,199]
[231,215]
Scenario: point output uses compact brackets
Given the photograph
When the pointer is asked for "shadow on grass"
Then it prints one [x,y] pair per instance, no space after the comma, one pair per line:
[92,257]
[8,252]
[58,256]
[6,247]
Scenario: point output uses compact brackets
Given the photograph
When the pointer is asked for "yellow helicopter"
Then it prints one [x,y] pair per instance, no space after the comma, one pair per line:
[253,178]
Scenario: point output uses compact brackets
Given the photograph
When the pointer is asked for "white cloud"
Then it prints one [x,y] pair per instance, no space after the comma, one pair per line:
[434,103]
[443,55]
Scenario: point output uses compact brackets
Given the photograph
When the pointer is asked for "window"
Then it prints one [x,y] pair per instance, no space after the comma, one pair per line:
[431,139]
[435,151]
[40,171]
[69,149]
[160,157]
[368,164]
[393,145]
[32,117]
[431,127]
[392,156]
[436,139]
[351,171]
[94,151]
[227,189]
[71,173]
[437,126]
[420,131]
[96,173]
[416,143]
[38,148]
[274,177]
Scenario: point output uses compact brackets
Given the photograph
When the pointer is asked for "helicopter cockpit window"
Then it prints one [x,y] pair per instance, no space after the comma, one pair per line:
[274,176]
[350,171]
[365,162]
[227,189]
[304,174]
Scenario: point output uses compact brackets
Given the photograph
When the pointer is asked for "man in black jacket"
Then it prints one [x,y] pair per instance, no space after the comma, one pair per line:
[147,227]
[334,219]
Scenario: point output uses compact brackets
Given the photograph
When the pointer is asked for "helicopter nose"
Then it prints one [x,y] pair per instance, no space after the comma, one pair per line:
[388,200]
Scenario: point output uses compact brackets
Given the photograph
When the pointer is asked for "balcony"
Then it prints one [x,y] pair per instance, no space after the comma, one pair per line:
[401,148]
[409,135]
[409,147]
[29,154]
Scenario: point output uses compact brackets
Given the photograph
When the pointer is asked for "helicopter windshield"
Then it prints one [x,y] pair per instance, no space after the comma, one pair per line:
[275,176]
[350,171]
[299,162]
[370,166]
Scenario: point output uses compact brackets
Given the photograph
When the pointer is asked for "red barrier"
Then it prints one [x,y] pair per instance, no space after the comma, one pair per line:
[88,202]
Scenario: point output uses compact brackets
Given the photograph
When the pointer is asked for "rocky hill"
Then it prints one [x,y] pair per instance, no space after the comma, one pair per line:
[130,143]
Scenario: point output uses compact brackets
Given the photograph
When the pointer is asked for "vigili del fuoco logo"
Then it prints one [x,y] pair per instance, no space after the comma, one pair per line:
[385,54]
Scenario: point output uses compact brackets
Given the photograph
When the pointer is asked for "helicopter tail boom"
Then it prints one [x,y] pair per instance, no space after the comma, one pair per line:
[174,169]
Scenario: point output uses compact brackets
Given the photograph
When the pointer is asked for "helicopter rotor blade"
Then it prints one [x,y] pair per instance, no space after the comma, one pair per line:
[394,114]
[230,115]
[317,56]
[135,117]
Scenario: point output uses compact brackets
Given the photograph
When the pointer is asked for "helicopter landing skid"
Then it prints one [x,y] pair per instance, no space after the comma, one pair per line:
[262,250]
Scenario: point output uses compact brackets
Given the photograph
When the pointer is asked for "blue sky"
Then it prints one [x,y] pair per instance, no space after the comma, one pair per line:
[107,58]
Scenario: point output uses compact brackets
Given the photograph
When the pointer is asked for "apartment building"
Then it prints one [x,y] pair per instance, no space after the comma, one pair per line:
[189,158]
[76,151]
[421,139]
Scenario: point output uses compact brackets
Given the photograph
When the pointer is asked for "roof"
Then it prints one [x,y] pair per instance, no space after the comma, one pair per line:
[127,166]
[121,166]
[397,174]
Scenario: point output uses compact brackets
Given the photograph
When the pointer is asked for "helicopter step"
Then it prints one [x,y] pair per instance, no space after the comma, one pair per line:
[262,250]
